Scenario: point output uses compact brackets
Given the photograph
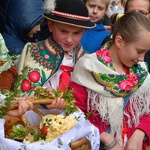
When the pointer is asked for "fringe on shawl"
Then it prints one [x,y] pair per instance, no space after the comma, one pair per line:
[110,110]
[139,104]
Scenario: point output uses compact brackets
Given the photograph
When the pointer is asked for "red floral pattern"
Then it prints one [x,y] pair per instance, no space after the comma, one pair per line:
[34,76]
[118,84]
[129,83]
[26,85]
[41,47]
[105,55]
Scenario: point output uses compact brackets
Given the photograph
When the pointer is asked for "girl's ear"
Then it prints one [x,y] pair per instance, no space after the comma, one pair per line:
[50,24]
[118,41]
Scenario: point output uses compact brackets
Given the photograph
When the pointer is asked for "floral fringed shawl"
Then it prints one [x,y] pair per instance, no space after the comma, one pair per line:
[107,89]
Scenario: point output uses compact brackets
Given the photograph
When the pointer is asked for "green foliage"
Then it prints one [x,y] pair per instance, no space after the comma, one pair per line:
[69,100]
[47,122]
[14,58]
[18,132]
[77,118]
[40,92]
[38,136]
[15,92]
[88,115]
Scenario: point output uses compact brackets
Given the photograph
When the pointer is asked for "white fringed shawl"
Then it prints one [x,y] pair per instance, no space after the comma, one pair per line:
[110,107]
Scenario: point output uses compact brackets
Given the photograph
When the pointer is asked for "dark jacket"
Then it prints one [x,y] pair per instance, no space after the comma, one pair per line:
[147,59]
[3,4]
[21,17]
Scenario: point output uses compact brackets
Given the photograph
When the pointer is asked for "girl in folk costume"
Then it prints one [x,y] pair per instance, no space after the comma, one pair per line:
[112,85]
[47,59]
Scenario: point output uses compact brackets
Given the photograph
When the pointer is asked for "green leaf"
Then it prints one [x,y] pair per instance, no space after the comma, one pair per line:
[15,92]
[43,76]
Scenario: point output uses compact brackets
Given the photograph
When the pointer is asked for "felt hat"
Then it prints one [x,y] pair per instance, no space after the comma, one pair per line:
[71,12]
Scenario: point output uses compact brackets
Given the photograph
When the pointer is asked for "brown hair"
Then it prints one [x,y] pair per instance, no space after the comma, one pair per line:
[131,26]
[123,3]
[113,19]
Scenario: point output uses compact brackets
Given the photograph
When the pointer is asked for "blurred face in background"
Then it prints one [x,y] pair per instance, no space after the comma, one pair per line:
[34,30]
[96,9]
[141,6]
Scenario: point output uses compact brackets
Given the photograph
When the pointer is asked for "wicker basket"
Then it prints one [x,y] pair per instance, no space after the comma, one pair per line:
[7,77]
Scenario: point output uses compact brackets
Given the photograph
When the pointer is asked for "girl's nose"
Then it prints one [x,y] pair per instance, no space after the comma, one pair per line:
[141,57]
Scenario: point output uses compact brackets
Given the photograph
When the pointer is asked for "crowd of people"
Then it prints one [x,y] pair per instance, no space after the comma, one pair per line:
[106,64]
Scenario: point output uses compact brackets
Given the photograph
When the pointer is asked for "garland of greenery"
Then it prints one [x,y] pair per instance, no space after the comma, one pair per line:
[39,93]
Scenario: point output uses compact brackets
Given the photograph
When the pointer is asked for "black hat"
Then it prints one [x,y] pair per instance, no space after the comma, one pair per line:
[71,12]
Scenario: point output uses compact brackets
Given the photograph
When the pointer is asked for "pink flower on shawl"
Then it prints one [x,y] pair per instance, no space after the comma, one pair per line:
[126,85]
[129,83]
[105,55]
[133,78]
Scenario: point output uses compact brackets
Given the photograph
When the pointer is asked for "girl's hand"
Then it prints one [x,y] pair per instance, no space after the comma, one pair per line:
[23,106]
[58,104]
[135,141]
[107,139]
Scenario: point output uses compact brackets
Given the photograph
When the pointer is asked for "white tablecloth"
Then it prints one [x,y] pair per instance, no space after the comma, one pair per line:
[81,129]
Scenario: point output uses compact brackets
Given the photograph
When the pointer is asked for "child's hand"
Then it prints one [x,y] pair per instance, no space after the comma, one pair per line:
[107,139]
[23,106]
[58,104]
[135,141]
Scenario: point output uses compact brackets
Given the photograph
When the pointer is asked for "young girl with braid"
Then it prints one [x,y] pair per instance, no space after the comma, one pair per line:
[112,86]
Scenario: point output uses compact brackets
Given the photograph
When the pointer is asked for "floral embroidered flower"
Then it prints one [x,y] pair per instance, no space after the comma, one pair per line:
[34,76]
[46,56]
[105,55]
[26,85]
[41,47]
